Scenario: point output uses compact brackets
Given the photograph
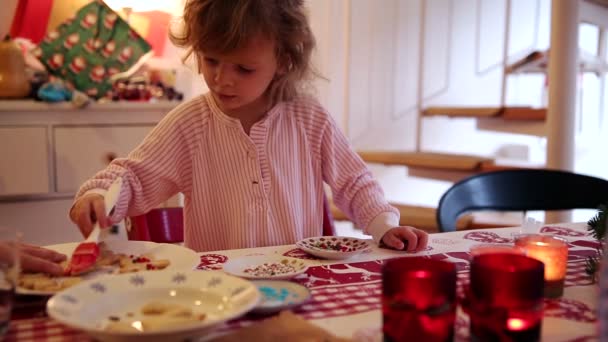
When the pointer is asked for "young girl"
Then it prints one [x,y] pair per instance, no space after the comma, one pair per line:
[251,155]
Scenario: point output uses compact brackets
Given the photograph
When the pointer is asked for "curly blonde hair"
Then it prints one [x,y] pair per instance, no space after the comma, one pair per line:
[222,26]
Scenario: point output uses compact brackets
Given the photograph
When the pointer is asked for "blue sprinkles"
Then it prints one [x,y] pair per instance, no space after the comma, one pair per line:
[271,293]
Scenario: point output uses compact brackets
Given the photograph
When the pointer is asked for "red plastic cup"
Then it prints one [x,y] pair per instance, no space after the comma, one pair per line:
[418,299]
[163,225]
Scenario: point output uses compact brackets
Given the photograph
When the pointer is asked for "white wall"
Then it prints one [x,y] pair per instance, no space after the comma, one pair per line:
[402,55]
[384,60]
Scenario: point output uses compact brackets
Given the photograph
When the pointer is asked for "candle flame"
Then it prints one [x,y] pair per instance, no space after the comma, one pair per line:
[422,274]
[515,324]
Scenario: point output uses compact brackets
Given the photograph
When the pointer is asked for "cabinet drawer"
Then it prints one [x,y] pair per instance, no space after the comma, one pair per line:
[82,151]
[25,165]
[42,222]
[45,222]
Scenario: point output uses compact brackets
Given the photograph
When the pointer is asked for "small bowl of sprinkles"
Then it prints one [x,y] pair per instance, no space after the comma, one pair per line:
[278,295]
[334,247]
[266,267]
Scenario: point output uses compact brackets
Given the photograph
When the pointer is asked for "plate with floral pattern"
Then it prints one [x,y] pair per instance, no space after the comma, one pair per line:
[334,247]
[265,267]
[153,306]
[178,257]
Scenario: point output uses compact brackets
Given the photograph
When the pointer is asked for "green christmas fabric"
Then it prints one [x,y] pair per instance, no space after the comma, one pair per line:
[87,49]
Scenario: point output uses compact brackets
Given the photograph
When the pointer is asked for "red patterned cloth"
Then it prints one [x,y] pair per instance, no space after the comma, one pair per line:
[41,329]
[346,289]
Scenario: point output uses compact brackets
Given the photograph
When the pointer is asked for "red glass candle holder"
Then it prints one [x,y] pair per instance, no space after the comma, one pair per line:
[418,299]
[505,297]
[551,251]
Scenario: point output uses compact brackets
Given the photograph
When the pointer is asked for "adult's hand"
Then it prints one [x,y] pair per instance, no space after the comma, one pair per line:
[34,258]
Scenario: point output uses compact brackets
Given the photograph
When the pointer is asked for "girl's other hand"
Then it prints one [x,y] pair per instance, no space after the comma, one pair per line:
[406,238]
[87,210]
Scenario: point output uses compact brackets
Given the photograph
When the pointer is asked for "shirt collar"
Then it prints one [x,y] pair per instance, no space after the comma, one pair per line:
[223,117]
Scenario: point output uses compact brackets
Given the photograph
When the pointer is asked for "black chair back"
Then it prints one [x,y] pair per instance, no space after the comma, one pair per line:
[520,190]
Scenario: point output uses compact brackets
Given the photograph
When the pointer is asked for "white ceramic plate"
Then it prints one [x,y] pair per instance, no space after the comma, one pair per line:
[334,247]
[91,306]
[265,267]
[279,295]
[180,258]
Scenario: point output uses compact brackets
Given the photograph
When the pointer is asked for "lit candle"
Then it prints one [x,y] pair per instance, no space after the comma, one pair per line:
[553,252]
[504,299]
[418,299]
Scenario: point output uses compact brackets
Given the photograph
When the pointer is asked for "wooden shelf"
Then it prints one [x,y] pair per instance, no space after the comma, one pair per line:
[492,219]
[536,128]
[524,114]
[453,111]
[425,218]
[431,160]
[416,216]
[455,175]
[510,113]
[440,166]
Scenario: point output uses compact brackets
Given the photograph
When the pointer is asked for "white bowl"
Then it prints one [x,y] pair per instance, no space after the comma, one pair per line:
[259,267]
[334,247]
[90,305]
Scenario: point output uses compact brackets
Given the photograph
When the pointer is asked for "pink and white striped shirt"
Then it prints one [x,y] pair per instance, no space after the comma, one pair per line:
[240,190]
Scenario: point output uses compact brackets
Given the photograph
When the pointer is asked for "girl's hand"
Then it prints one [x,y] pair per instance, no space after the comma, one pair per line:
[406,238]
[87,210]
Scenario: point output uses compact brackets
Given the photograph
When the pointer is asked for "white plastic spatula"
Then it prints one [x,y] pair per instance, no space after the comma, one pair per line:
[86,253]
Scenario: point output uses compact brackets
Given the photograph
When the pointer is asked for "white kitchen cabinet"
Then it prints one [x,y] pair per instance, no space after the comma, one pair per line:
[24,165]
[48,150]
[82,151]
[42,222]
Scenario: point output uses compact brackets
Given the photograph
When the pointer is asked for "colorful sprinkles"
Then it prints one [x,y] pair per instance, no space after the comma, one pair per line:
[270,269]
[337,244]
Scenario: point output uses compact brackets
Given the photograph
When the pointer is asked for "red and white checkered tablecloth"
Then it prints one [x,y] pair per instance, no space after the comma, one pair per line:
[42,329]
[342,289]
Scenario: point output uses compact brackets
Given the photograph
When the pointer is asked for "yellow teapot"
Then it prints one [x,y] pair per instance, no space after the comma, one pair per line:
[13,77]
